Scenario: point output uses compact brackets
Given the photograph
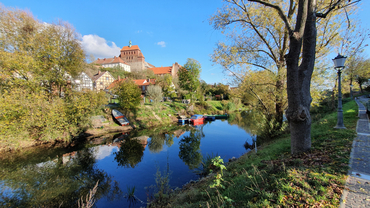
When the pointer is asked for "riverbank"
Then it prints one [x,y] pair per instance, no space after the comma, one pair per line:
[146,116]
[272,177]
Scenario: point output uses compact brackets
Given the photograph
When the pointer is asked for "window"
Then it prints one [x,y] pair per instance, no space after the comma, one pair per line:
[107,78]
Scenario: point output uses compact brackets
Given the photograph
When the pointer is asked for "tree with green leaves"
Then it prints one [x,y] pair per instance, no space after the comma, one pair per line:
[129,95]
[167,85]
[283,38]
[154,92]
[46,54]
[189,76]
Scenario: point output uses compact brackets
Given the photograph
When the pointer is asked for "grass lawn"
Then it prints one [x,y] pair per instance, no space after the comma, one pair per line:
[274,178]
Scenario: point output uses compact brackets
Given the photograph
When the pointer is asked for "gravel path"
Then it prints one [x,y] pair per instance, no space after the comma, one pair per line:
[357,191]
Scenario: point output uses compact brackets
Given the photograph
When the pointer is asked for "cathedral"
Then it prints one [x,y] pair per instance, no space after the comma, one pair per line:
[133,56]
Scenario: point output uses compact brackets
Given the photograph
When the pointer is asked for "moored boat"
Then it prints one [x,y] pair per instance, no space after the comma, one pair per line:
[197,119]
[121,119]
[218,116]
[210,118]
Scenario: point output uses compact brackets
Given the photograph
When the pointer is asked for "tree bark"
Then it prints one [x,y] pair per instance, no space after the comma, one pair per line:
[299,76]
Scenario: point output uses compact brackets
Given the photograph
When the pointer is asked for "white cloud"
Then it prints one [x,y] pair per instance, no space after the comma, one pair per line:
[162,44]
[99,47]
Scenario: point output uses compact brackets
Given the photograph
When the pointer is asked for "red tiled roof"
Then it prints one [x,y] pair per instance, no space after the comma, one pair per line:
[109,61]
[139,82]
[162,70]
[144,82]
[134,47]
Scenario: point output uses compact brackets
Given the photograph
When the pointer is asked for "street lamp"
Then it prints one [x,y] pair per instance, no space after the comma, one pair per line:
[339,65]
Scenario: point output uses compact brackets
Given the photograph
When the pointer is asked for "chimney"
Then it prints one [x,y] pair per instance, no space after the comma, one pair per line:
[149,80]
[99,72]
[114,56]
[98,58]
[119,78]
[104,59]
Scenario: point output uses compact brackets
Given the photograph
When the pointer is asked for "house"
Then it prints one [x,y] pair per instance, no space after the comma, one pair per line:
[113,62]
[141,83]
[172,70]
[83,82]
[102,80]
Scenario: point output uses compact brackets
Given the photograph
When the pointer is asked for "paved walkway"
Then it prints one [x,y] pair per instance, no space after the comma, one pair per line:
[357,192]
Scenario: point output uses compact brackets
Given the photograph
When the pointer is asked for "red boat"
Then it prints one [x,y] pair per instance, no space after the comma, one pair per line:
[197,119]
[122,120]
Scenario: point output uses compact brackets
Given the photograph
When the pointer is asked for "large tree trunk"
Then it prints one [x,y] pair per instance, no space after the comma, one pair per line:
[299,76]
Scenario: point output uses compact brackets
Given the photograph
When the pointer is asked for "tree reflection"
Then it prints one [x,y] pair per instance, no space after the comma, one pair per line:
[255,123]
[130,153]
[190,147]
[56,184]
[158,140]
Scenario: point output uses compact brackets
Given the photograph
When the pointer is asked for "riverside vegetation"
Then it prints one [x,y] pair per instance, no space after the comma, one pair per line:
[272,177]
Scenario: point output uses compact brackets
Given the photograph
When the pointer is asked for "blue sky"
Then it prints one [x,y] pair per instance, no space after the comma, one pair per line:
[166,31]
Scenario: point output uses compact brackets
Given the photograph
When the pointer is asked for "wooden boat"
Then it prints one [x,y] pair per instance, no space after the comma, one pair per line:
[121,119]
[197,119]
[218,116]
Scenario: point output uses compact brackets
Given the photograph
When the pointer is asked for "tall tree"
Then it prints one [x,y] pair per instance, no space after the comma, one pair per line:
[189,76]
[43,55]
[129,95]
[288,39]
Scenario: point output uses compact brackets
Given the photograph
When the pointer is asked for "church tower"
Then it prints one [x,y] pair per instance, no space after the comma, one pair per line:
[132,55]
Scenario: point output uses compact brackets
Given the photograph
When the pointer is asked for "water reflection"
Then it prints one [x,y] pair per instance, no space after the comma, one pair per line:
[158,140]
[131,152]
[56,183]
[190,147]
[130,159]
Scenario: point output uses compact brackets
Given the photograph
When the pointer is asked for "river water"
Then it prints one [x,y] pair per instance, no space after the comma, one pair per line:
[120,164]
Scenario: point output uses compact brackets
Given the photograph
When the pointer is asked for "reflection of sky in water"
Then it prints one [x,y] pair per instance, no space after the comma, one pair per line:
[103,151]
[219,138]
[5,190]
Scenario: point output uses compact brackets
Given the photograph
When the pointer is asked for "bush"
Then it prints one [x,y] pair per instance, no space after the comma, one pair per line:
[230,106]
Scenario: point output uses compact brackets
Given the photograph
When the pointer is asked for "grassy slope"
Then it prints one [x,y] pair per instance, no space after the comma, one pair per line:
[274,178]
[167,112]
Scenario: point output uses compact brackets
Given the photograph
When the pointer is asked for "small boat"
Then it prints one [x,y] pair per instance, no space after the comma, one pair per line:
[183,121]
[197,119]
[121,119]
[218,116]
[210,118]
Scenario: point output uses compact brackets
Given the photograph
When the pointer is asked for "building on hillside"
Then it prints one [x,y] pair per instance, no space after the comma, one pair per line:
[102,80]
[172,70]
[141,83]
[83,82]
[113,62]
[134,57]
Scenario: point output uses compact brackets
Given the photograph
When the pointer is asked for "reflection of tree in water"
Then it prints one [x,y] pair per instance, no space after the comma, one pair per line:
[158,140]
[130,153]
[54,184]
[254,123]
[190,147]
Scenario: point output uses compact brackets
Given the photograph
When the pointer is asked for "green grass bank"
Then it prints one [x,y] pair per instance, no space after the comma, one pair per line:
[274,178]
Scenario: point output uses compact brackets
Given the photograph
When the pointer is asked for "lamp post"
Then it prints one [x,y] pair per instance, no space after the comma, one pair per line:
[339,65]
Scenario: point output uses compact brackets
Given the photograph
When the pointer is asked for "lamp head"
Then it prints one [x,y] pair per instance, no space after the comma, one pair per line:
[339,61]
